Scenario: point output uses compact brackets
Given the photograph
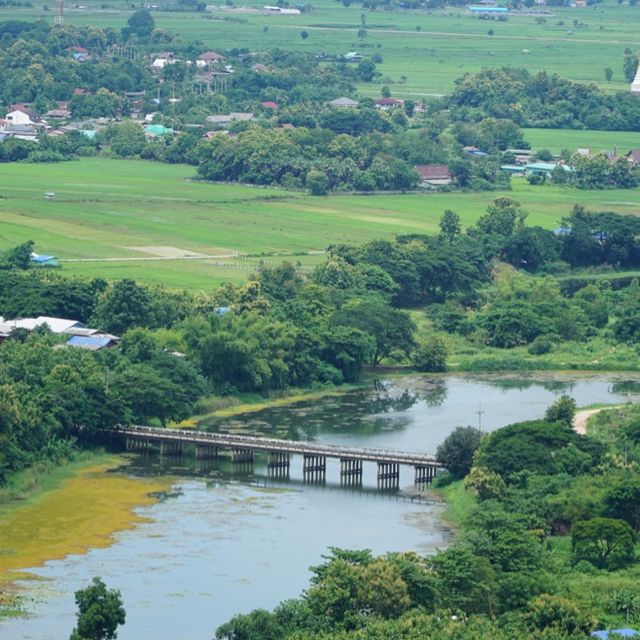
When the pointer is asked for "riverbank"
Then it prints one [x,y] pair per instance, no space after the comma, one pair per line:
[231,406]
[76,507]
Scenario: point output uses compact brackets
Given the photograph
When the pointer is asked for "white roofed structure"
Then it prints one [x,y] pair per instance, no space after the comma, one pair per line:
[635,85]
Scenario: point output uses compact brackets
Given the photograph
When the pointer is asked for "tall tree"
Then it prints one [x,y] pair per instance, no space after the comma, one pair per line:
[100,612]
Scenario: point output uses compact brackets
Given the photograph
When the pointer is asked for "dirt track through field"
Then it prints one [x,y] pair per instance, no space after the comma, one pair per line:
[581,418]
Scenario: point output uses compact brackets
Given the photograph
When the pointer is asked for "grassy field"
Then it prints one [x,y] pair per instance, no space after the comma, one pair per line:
[424,52]
[118,218]
[558,139]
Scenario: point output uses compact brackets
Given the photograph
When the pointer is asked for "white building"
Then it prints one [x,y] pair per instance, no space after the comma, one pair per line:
[635,85]
[19,117]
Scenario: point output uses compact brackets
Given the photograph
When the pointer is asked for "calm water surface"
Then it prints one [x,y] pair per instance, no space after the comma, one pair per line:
[229,541]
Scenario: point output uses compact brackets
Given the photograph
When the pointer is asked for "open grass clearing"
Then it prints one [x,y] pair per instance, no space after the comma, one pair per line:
[106,210]
[558,139]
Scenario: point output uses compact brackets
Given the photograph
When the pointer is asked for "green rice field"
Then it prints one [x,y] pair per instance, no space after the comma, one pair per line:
[558,139]
[423,51]
[127,218]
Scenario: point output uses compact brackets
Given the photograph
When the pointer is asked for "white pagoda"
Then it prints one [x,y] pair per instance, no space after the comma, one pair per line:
[635,85]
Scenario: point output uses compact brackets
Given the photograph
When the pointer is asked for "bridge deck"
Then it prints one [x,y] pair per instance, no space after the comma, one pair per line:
[274,445]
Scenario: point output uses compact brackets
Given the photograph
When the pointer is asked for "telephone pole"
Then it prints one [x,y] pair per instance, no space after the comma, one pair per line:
[480,413]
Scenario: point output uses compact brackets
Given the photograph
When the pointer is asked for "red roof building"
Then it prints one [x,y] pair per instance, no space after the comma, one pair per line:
[433,175]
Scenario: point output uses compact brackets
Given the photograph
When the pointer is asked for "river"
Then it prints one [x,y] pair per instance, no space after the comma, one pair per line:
[225,541]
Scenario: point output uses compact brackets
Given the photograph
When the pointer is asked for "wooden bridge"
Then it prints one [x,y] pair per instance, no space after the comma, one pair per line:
[279,452]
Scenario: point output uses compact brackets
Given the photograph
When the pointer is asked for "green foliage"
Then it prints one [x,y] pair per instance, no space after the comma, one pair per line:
[539,446]
[100,612]
[605,542]
[317,183]
[622,501]
[562,410]
[456,451]
[141,23]
[559,614]
[19,257]
[430,355]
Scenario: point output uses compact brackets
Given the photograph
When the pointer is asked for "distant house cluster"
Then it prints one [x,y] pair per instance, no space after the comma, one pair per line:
[22,123]
[78,334]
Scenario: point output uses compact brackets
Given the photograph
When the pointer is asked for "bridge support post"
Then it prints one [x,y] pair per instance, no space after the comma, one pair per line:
[350,471]
[314,468]
[388,475]
[133,443]
[171,448]
[242,456]
[424,474]
[206,452]
[278,463]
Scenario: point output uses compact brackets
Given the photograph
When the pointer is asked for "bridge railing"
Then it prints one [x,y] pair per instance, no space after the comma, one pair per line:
[274,444]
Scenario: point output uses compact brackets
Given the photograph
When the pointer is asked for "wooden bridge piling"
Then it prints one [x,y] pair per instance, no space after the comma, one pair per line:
[388,475]
[171,448]
[206,452]
[278,464]
[424,474]
[314,468]
[242,455]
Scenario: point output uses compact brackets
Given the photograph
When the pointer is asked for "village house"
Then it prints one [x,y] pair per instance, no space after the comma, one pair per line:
[387,104]
[433,175]
[343,103]
[79,334]
[161,60]
[20,115]
[633,157]
[209,58]
[352,56]
[227,119]
[40,260]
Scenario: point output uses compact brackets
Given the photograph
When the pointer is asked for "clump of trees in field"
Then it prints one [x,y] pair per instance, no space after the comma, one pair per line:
[542,100]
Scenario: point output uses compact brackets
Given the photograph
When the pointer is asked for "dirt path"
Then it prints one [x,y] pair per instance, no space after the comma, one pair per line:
[581,417]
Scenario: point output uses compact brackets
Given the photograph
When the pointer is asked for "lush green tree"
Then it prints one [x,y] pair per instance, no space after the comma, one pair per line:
[317,183]
[562,410]
[551,612]
[450,226]
[348,349]
[391,328]
[605,542]
[19,257]
[141,23]
[465,581]
[622,501]
[539,446]
[430,355]
[100,612]
[256,625]
[456,451]
[123,306]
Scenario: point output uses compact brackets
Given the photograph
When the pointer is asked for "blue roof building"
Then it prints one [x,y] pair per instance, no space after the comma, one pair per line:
[481,9]
[616,633]
[44,261]
[93,343]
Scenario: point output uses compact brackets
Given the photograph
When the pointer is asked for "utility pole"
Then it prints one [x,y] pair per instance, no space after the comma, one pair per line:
[480,413]
[59,12]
